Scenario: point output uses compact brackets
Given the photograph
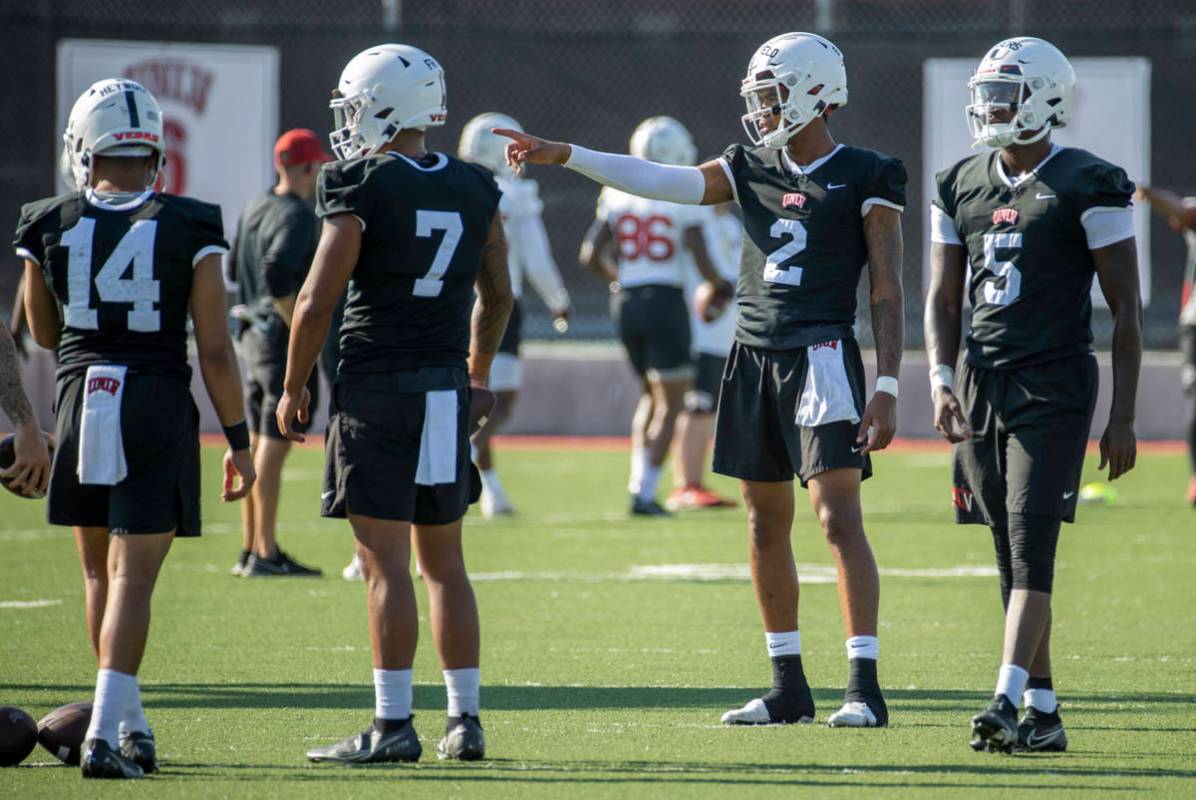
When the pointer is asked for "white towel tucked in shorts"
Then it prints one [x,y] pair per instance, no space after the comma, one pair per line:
[101,445]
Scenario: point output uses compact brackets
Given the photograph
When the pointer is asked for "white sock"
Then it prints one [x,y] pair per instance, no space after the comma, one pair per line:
[113,693]
[786,643]
[863,647]
[392,693]
[491,483]
[464,691]
[1042,699]
[639,460]
[134,716]
[648,484]
[1011,682]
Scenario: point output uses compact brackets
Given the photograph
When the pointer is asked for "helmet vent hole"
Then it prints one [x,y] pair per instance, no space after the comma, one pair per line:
[384,113]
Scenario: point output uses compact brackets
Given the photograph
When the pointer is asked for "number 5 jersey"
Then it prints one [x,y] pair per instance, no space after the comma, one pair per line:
[1029,243]
[120,268]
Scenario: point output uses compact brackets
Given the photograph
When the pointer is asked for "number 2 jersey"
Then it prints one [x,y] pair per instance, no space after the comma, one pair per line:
[121,273]
[804,246]
[425,223]
[1029,244]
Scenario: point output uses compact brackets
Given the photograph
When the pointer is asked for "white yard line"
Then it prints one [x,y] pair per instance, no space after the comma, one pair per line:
[808,573]
[29,603]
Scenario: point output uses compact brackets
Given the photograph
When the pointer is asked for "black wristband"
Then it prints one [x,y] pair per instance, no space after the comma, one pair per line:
[237,436]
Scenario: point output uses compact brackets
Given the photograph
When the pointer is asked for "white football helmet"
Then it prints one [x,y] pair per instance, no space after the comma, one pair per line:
[382,91]
[1028,77]
[114,117]
[664,140]
[798,76]
[481,146]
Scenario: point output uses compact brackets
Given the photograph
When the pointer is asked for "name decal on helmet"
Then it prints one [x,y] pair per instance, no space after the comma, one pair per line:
[1006,216]
[145,136]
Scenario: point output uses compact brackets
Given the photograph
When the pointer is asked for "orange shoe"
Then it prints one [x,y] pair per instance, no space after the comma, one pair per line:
[704,498]
[680,499]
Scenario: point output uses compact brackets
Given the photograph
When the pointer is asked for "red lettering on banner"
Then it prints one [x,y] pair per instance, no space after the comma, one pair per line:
[962,498]
[174,79]
[796,199]
[103,384]
[1005,215]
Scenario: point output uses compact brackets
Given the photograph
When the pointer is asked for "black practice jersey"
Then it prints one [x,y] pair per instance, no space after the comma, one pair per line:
[121,275]
[1031,269]
[276,241]
[805,247]
[425,224]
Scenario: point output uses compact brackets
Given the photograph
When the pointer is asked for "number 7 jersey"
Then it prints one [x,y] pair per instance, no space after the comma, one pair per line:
[1029,246]
[425,224]
[121,274]
[805,247]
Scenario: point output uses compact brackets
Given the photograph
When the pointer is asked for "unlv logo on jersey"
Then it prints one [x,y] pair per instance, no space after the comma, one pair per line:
[794,200]
[1007,216]
[103,384]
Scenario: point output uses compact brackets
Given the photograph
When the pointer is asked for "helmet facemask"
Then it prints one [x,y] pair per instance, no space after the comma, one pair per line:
[1028,102]
[347,138]
[790,96]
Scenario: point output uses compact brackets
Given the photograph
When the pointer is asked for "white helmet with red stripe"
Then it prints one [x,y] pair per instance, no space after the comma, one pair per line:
[1030,79]
[114,117]
[792,80]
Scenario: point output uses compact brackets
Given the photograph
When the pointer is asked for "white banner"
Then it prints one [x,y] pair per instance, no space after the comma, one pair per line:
[219,105]
[1111,118]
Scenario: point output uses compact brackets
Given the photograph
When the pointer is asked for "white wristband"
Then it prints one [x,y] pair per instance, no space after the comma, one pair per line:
[887,384]
[942,375]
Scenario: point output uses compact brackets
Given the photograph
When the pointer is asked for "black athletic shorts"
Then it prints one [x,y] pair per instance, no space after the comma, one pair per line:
[783,413]
[263,389]
[400,456]
[513,336]
[160,431]
[653,324]
[703,397]
[1030,429]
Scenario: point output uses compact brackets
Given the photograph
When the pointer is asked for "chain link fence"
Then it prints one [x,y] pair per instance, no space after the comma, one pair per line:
[589,71]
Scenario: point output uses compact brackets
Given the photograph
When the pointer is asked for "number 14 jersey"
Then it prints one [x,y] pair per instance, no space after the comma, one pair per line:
[805,247]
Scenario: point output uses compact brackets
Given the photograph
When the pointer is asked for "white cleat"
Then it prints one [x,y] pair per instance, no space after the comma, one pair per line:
[754,713]
[353,571]
[495,505]
[853,714]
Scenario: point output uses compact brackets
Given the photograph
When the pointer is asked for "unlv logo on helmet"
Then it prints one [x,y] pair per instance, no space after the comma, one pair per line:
[1007,216]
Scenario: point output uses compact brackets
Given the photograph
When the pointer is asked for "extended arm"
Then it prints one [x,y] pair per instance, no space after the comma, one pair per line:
[1117,271]
[336,256]
[941,326]
[707,184]
[1170,205]
[882,233]
[493,306]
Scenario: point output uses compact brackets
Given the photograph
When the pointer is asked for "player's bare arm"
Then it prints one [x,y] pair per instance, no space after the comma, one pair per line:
[336,256]
[941,327]
[218,365]
[45,323]
[598,251]
[1117,271]
[1170,205]
[882,233]
[30,471]
[705,185]
[493,308]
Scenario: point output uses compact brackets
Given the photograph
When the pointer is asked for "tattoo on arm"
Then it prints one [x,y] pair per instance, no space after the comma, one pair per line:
[12,394]
[882,232]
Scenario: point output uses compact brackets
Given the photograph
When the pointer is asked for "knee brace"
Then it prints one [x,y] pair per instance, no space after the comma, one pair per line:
[1032,542]
[1004,566]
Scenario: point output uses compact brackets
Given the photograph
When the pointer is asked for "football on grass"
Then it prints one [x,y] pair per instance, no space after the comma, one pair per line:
[710,302]
[8,454]
[18,736]
[481,403]
[62,731]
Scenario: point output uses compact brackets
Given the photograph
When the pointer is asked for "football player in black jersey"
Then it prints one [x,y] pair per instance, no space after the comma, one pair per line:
[1035,222]
[410,232]
[792,401]
[111,272]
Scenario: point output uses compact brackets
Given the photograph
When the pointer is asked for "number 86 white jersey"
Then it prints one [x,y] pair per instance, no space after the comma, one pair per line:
[649,236]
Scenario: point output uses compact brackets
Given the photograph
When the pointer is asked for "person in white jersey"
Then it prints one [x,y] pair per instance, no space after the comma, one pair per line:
[646,248]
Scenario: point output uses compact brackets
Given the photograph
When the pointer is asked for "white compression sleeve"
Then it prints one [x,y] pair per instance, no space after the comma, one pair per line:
[640,177]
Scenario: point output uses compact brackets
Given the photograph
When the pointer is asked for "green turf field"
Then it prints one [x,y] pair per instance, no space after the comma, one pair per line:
[605,669]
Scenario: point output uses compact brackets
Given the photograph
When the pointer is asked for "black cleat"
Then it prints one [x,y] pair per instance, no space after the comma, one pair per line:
[995,728]
[775,708]
[278,565]
[99,760]
[1040,732]
[373,746]
[139,748]
[648,508]
[463,739]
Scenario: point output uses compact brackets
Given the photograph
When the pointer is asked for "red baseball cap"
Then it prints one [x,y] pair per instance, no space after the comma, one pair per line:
[299,146]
